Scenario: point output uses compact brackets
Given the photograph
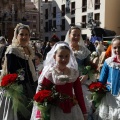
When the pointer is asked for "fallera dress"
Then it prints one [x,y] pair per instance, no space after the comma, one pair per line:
[82,57]
[17,59]
[65,110]
[109,109]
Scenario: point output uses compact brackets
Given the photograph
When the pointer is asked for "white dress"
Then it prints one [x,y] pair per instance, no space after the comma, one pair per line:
[81,55]
[56,113]
[109,109]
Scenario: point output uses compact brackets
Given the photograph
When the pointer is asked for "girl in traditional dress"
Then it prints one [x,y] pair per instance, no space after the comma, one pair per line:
[109,109]
[38,63]
[61,69]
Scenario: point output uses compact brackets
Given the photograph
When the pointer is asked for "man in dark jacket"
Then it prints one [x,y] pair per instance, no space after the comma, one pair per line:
[50,44]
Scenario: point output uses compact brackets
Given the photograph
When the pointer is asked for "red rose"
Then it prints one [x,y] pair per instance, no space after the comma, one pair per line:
[96,86]
[42,95]
[7,79]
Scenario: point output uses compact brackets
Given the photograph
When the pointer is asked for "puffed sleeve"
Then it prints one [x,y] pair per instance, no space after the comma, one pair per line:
[79,95]
[104,73]
[46,83]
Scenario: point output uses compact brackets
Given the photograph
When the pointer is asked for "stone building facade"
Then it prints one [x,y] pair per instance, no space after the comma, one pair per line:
[11,13]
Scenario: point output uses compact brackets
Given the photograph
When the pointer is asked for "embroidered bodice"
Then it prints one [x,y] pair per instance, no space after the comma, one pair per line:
[67,86]
[110,74]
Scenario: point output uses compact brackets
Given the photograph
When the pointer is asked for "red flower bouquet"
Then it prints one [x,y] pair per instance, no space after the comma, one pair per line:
[97,87]
[45,98]
[12,89]
[98,92]
[9,79]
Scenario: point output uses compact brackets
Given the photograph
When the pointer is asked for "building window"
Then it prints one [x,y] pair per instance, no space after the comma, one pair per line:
[67,6]
[46,13]
[73,21]
[84,5]
[54,12]
[54,23]
[46,27]
[73,8]
[62,37]
[34,26]
[46,1]
[97,4]
[97,18]
[89,17]
[34,17]
[63,10]
[50,25]
[84,21]
[22,1]
[63,24]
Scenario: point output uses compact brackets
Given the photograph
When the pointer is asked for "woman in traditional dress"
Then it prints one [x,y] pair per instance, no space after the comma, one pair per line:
[19,55]
[82,54]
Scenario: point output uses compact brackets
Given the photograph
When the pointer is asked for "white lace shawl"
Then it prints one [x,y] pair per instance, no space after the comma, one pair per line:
[82,53]
[60,79]
[18,51]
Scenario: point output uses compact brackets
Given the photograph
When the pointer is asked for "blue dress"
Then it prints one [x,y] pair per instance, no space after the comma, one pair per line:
[109,108]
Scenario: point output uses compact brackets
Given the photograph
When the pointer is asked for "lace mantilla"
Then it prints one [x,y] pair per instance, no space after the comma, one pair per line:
[82,53]
[60,79]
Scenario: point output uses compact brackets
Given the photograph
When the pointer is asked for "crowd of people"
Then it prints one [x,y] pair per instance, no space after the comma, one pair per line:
[60,64]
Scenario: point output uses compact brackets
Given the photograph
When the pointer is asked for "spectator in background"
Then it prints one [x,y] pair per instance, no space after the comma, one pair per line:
[3,47]
[38,63]
[99,47]
[43,47]
[89,45]
[54,39]
[46,50]
[39,46]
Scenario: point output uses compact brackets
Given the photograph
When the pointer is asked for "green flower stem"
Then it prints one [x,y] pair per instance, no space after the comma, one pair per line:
[45,112]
